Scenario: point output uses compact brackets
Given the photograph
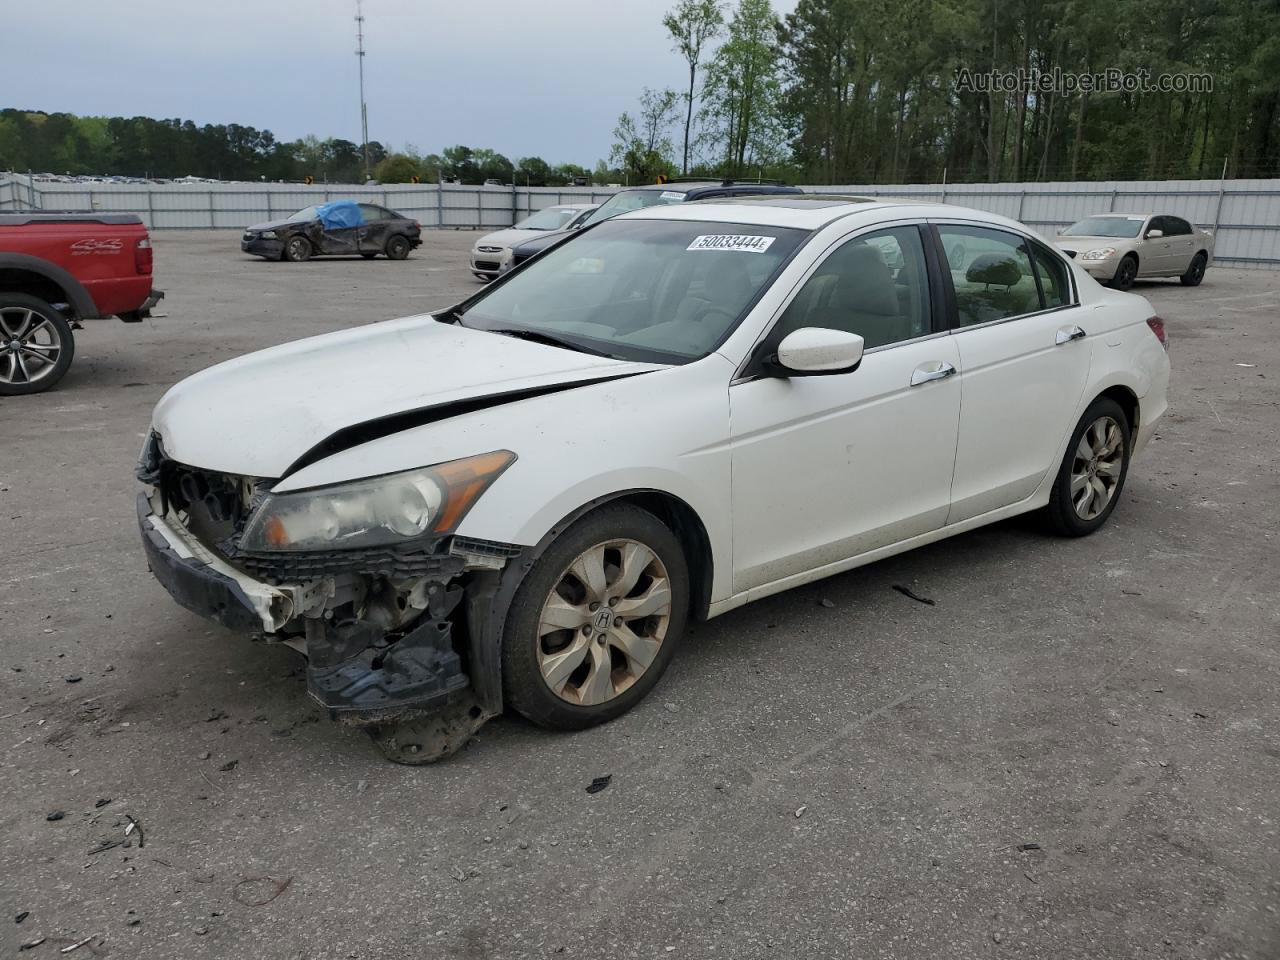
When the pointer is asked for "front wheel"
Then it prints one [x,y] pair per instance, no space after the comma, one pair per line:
[1126,273]
[36,346]
[596,621]
[1092,472]
[297,249]
[1195,272]
[397,248]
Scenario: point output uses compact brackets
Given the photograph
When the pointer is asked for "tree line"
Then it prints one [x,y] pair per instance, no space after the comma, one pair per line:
[838,91]
[866,91]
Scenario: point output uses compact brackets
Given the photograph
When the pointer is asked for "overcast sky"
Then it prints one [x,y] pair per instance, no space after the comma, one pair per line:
[524,77]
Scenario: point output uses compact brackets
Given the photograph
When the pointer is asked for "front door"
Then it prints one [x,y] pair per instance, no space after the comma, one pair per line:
[826,468]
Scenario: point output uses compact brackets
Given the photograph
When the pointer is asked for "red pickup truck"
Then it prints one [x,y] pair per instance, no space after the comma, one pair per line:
[57,269]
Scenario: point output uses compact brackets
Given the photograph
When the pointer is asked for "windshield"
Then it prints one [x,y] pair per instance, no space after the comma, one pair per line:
[306,213]
[629,200]
[654,290]
[552,218]
[1105,227]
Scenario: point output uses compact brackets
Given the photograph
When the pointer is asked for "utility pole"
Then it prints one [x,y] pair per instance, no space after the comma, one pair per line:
[364,112]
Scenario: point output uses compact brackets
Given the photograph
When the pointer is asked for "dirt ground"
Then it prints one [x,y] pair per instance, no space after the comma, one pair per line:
[1074,754]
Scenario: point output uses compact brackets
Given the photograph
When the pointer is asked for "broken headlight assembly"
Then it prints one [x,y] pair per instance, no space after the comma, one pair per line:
[391,509]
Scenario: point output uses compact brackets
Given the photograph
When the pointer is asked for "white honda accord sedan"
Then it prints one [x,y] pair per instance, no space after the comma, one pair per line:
[523,500]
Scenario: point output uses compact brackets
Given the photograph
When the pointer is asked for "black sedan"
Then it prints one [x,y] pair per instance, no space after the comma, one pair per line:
[340,228]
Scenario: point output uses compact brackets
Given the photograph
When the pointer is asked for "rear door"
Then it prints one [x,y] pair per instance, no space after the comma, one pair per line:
[1182,244]
[1022,340]
[376,229]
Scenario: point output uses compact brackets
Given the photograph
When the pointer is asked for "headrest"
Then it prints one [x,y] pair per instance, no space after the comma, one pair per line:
[864,282]
[997,268]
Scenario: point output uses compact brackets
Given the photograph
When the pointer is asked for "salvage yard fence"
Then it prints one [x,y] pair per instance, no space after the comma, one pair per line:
[1244,214]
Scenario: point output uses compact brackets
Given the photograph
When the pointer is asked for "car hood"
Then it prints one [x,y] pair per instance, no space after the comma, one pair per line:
[507,238]
[274,225]
[1080,244]
[544,239]
[259,414]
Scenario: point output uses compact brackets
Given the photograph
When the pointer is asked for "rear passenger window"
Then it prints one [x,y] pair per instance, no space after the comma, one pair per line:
[991,273]
[875,286]
[1054,281]
[1177,226]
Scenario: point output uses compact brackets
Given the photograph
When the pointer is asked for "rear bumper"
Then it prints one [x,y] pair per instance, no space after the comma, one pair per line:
[144,311]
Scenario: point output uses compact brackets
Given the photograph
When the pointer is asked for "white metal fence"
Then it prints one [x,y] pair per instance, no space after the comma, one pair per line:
[1245,214]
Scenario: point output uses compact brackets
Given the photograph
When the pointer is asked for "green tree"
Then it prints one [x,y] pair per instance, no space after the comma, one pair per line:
[692,24]
[642,143]
[396,168]
[742,95]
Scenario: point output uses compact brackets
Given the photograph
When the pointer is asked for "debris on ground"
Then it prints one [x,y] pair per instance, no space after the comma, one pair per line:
[215,715]
[102,802]
[22,916]
[105,845]
[135,827]
[599,783]
[55,816]
[911,594]
[671,707]
[73,678]
[362,786]
[31,944]
[1028,846]
[229,765]
[824,602]
[272,890]
[77,946]
[801,809]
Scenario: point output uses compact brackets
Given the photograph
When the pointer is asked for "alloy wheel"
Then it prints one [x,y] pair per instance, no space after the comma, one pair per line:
[604,622]
[29,346]
[1097,467]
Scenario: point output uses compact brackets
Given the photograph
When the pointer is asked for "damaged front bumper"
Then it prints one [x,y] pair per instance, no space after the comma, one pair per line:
[386,647]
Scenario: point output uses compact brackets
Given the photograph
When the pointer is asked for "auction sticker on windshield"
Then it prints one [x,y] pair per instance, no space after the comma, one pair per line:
[731,241]
[672,195]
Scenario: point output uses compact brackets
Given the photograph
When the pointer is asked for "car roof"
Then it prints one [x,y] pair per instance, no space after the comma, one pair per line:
[805,211]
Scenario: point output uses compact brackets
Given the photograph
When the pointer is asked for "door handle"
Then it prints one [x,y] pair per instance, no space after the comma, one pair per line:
[928,372]
[1067,334]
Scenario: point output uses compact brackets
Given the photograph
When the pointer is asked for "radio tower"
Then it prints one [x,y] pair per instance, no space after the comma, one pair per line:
[364,113]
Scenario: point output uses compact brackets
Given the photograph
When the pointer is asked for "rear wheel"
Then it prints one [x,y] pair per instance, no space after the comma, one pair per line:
[1195,272]
[1126,273]
[397,248]
[596,621]
[1092,472]
[297,249]
[36,346]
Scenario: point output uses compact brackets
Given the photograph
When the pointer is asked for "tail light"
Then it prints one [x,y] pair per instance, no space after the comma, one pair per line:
[142,256]
[1157,327]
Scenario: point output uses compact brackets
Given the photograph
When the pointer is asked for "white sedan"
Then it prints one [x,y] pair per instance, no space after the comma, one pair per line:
[520,502]
[491,254]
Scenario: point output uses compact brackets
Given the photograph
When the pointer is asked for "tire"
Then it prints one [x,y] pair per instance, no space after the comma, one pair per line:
[598,679]
[369,254]
[1126,272]
[36,345]
[1069,513]
[397,248]
[1195,272]
[297,250]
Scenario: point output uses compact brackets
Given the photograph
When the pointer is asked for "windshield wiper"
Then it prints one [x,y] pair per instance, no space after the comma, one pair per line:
[550,339]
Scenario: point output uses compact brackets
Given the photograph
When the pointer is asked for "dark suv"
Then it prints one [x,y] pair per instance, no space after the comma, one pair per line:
[679,190]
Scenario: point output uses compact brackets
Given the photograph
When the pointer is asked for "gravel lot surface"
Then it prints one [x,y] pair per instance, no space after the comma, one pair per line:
[1074,754]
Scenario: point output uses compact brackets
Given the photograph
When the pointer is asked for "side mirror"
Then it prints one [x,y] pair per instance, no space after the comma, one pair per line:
[814,351]
[1154,234]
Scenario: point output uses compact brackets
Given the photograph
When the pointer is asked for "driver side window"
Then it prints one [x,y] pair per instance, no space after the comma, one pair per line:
[875,285]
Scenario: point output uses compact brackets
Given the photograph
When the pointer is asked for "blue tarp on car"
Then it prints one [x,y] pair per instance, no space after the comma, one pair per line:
[340,214]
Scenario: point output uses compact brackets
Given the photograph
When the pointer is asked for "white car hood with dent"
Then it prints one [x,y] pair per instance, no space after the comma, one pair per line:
[257,414]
